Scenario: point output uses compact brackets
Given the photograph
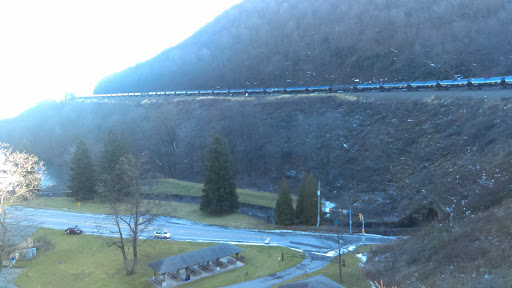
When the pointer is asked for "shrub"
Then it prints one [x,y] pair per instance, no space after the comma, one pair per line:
[44,243]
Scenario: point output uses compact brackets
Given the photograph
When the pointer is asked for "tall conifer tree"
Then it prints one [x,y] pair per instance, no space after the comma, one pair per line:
[219,190]
[307,203]
[113,150]
[284,213]
[82,178]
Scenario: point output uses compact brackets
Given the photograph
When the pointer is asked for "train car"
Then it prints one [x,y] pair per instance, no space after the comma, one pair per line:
[169,93]
[425,84]
[460,83]
[193,92]
[476,83]
[508,81]
[237,91]
[221,92]
[206,92]
[486,82]
[180,93]
[274,91]
[342,88]
[296,90]
[369,87]
[144,94]
[495,81]
[160,93]
[320,89]
[256,91]
[396,86]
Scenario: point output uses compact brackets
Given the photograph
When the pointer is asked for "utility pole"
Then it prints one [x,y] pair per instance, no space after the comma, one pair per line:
[350,214]
[361,218]
[318,195]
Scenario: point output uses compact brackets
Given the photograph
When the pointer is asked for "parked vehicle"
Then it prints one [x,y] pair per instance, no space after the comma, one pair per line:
[74,230]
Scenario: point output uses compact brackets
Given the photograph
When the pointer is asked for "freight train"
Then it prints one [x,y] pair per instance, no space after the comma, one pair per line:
[470,83]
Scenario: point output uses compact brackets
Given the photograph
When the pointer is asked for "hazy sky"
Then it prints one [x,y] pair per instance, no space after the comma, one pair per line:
[48,48]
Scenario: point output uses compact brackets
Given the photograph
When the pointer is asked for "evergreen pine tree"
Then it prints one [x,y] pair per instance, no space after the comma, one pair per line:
[219,190]
[82,178]
[310,205]
[113,150]
[283,213]
[307,205]
[300,199]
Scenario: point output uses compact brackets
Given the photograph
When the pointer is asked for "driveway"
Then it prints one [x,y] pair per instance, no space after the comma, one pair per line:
[311,263]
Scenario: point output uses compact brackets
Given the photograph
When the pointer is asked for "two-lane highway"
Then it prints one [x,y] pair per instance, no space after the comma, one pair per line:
[191,231]
[313,244]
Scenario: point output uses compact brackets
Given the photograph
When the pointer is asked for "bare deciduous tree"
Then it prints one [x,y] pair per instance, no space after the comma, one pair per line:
[130,212]
[19,182]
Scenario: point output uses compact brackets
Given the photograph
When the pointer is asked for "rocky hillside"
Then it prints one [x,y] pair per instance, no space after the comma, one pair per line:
[471,251]
[268,43]
[390,155]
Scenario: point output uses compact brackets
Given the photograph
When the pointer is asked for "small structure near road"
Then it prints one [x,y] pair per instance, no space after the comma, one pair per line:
[316,281]
[190,266]
[19,239]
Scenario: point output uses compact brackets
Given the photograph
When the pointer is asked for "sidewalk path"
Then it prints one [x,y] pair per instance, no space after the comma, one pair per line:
[307,266]
[7,277]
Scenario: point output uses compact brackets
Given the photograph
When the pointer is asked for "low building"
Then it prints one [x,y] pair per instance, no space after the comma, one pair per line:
[190,266]
[19,239]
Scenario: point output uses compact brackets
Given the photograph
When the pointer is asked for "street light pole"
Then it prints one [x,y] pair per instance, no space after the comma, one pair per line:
[318,195]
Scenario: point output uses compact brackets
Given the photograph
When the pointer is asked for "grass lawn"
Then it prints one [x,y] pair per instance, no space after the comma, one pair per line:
[178,187]
[351,274]
[172,209]
[86,261]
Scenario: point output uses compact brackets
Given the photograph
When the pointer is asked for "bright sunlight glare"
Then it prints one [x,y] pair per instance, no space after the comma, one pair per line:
[50,47]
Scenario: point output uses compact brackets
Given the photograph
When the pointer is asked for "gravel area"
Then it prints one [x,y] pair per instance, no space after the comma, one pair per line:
[7,277]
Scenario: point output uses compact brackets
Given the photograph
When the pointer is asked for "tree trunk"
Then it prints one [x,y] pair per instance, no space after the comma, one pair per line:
[121,244]
[339,254]
[135,237]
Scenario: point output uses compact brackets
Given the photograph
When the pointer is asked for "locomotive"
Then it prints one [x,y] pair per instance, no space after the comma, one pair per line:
[470,83]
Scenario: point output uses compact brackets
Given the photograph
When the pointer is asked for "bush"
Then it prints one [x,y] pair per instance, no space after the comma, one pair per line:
[44,243]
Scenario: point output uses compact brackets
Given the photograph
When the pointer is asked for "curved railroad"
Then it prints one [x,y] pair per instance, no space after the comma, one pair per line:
[470,83]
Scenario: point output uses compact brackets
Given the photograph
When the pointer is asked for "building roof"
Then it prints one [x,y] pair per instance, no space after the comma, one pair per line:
[17,233]
[176,262]
[316,281]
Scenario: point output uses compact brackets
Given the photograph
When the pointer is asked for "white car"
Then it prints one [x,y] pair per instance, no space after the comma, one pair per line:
[162,234]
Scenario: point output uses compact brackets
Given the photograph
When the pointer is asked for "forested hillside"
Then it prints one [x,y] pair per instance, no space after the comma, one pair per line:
[268,43]
[389,154]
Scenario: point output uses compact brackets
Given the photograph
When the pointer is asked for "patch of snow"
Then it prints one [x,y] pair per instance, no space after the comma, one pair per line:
[333,253]
[326,205]
[362,258]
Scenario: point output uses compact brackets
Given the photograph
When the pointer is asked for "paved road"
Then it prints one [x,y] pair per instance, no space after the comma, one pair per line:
[312,263]
[312,244]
